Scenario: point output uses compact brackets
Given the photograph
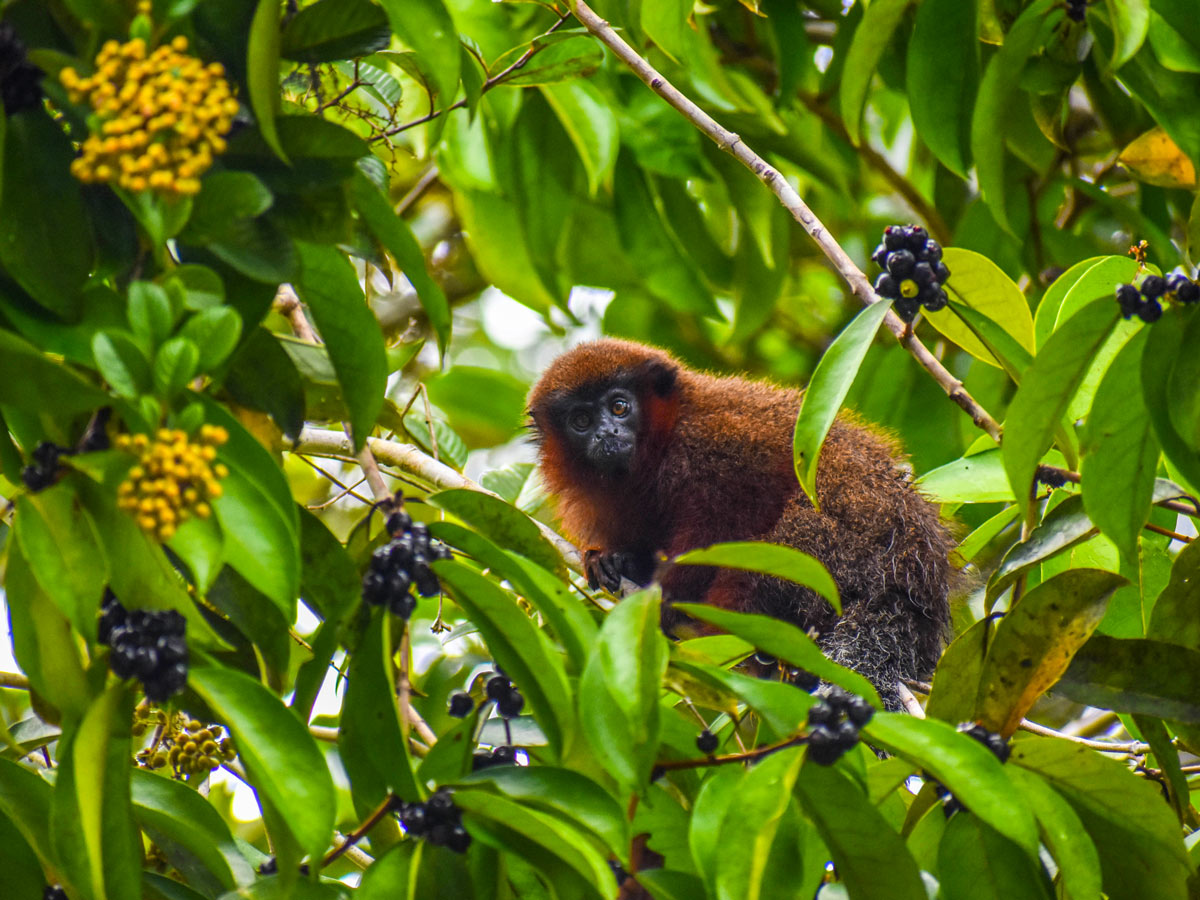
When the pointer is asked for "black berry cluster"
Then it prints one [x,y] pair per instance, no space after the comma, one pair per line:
[706,742]
[509,701]
[20,80]
[914,274]
[149,645]
[991,740]
[43,470]
[437,820]
[54,892]
[1077,10]
[803,679]
[461,704]
[402,563]
[834,723]
[497,756]
[1144,302]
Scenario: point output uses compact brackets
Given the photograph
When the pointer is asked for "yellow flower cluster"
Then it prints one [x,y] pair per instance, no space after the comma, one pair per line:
[189,747]
[160,117]
[174,479]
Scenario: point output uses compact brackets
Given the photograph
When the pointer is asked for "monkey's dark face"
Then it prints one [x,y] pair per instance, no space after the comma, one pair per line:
[602,428]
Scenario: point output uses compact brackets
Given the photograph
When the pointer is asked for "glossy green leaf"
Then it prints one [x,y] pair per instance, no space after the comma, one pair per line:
[769,559]
[1136,675]
[1049,383]
[978,478]
[373,734]
[518,645]
[783,641]
[280,756]
[176,362]
[975,861]
[121,363]
[91,821]
[190,831]
[329,286]
[1100,280]
[1063,834]
[871,39]
[982,285]
[329,580]
[963,765]
[870,857]
[226,198]
[944,38]
[397,238]
[619,689]
[426,27]
[25,800]
[956,679]
[262,71]
[503,524]
[1183,402]
[1121,452]
[780,705]
[591,125]
[215,332]
[258,249]
[1034,643]
[1164,347]
[457,391]
[1130,21]
[827,391]
[997,96]
[393,876]
[23,873]
[1135,833]
[335,29]
[150,313]
[1048,307]
[1176,615]
[259,542]
[563,56]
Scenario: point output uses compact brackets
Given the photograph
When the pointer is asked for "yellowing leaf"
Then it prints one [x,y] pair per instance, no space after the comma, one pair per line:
[1156,159]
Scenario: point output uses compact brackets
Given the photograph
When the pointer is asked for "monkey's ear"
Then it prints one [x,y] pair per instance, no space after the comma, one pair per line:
[660,376]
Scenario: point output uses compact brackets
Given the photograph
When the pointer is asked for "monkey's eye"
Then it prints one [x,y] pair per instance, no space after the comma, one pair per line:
[619,407]
[581,420]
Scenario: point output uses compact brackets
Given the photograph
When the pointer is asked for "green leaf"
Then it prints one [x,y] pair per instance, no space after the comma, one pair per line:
[335,29]
[329,286]
[1121,451]
[46,242]
[1063,834]
[174,365]
[1063,527]
[30,381]
[258,249]
[1164,347]
[1176,615]
[501,523]
[1130,21]
[393,876]
[262,72]
[329,580]
[202,287]
[983,286]
[781,706]
[963,765]
[426,26]
[870,857]
[190,831]
[517,645]
[871,39]
[665,24]
[215,332]
[1033,644]
[25,799]
[91,818]
[618,693]
[590,123]
[997,96]
[280,756]
[1049,383]
[566,55]
[397,238]
[1136,834]
[1136,675]
[1052,301]
[226,198]
[976,861]
[783,641]
[770,559]
[750,825]
[121,363]
[827,389]
[978,478]
[150,313]
[1182,400]
[944,38]
[373,733]
[457,392]
[1098,281]
[567,793]
[956,679]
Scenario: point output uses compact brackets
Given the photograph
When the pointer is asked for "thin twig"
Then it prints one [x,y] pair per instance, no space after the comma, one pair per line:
[287,303]
[1130,747]
[410,458]
[748,756]
[14,680]
[429,176]
[1173,535]
[377,814]
[791,200]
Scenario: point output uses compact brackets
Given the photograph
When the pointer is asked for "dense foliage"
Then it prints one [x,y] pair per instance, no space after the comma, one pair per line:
[256,255]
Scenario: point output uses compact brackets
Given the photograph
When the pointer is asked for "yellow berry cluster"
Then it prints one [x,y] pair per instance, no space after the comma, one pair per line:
[175,478]
[160,117]
[188,746]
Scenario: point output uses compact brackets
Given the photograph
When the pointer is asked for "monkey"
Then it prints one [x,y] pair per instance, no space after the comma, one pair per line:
[649,459]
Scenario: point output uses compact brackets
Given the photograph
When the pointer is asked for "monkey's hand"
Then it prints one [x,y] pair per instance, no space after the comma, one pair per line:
[606,570]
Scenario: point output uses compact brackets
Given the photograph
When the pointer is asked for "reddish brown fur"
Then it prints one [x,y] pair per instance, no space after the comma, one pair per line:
[715,464]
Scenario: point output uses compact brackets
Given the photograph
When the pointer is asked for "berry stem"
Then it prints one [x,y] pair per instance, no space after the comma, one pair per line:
[388,804]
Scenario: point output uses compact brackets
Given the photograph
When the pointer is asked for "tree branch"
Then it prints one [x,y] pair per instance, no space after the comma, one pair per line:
[14,680]
[732,144]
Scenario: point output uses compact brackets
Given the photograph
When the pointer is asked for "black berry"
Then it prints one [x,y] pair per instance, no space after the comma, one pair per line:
[461,705]
[900,264]
[886,286]
[1151,311]
[497,687]
[859,711]
[20,80]
[54,892]
[706,742]
[994,742]
[414,819]
[401,564]
[1153,286]
[1129,299]
[823,746]
[822,714]
[458,839]
[511,704]
[805,680]
[43,470]
[149,645]
[847,735]
[1077,10]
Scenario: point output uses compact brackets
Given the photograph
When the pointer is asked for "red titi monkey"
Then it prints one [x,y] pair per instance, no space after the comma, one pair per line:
[649,458]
